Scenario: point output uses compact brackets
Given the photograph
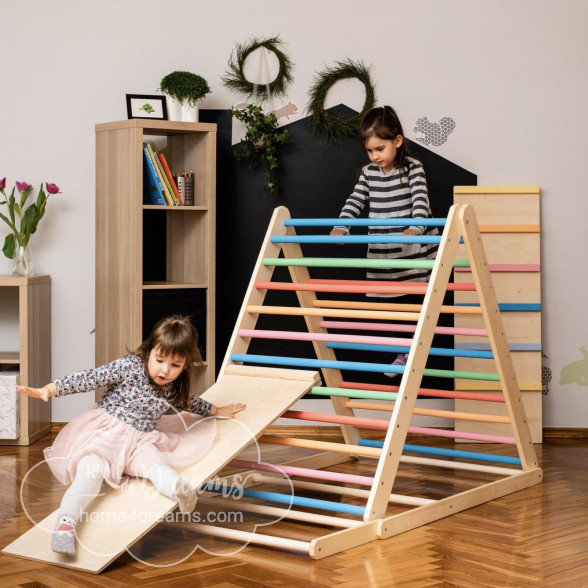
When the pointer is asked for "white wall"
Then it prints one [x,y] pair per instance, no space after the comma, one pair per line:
[511,73]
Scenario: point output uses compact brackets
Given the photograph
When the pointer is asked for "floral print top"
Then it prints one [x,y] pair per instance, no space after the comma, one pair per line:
[130,396]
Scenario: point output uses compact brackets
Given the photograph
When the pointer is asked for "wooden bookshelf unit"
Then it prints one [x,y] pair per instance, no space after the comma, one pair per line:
[32,359]
[152,261]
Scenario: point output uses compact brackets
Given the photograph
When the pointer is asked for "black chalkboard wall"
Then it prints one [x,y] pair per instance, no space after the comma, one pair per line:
[315,179]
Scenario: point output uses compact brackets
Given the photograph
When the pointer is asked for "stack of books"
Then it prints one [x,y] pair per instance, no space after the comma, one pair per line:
[159,186]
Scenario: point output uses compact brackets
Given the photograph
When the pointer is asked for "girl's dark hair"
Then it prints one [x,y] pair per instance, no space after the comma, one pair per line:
[175,336]
[383,122]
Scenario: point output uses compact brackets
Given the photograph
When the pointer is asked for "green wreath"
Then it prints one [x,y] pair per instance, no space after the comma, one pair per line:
[235,80]
[337,129]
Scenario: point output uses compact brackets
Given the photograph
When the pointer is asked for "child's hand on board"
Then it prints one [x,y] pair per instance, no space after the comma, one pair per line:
[43,393]
[230,410]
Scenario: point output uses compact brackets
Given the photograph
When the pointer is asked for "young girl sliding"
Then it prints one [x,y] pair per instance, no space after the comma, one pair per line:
[393,185]
[125,433]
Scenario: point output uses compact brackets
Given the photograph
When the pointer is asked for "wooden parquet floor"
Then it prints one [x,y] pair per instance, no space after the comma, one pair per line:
[536,537]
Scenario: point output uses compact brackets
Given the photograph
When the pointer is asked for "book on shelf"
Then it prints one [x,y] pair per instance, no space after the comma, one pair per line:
[166,191]
[152,188]
[165,179]
[170,178]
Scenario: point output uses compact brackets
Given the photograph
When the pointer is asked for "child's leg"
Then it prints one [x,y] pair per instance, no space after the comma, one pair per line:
[171,484]
[399,361]
[85,487]
[401,358]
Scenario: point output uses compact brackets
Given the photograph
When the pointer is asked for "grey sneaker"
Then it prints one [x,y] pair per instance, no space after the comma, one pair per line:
[63,539]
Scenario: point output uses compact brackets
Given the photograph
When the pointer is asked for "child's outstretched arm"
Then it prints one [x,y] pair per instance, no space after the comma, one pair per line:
[227,411]
[43,393]
[353,205]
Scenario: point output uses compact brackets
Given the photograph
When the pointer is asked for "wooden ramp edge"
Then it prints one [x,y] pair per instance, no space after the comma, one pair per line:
[121,517]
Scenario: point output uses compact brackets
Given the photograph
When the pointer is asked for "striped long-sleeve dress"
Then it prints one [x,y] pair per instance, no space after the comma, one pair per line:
[393,195]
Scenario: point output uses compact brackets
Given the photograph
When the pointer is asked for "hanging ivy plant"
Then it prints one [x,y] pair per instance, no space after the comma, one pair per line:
[261,142]
[337,129]
[235,79]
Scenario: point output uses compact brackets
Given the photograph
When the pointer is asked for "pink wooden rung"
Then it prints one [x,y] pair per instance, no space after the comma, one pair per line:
[382,424]
[300,336]
[402,328]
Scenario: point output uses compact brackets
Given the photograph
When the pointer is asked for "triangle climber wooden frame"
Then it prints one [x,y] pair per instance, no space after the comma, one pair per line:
[461,223]
[273,390]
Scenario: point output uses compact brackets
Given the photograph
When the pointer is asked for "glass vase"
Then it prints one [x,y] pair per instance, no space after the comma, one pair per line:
[22,261]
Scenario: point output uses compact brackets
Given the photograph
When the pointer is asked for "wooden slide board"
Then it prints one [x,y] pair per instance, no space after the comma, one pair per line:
[130,512]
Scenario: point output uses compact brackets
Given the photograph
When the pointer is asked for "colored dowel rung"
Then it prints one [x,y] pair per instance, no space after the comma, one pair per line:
[345,393]
[364,222]
[315,363]
[468,332]
[334,312]
[357,262]
[509,306]
[396,348]
[432,412]
[392,306]
[345,289]
[354,387]
[353,365]
[323,337]
[461,287]
[384,239]
[304,472]
[487,346]
[321,445]
[473,455]
[341,490]
[336,419]
[278,513]
[287,513]
[358,450]
[286,499]
[461,375]
[462,435]
[381,424]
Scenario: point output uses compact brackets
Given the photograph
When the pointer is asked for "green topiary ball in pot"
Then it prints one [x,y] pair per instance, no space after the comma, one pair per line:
[186,89]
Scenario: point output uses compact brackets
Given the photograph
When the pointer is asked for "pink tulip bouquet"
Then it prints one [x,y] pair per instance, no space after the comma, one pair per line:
[22,220]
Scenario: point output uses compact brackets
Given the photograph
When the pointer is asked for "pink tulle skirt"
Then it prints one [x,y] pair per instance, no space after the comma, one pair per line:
[179,441]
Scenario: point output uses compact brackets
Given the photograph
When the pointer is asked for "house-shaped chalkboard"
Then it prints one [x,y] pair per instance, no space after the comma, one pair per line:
[315,179]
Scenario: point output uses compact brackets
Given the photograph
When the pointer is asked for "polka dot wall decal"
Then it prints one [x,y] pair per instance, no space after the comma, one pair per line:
[434,133]
[576,372]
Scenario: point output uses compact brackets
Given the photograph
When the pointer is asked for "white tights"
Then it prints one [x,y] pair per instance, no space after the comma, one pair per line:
[90,474]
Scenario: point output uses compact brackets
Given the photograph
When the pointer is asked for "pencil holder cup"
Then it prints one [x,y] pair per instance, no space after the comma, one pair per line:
[186,190]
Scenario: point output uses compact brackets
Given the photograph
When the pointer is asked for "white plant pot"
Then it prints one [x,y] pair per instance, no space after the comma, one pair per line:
[180,111]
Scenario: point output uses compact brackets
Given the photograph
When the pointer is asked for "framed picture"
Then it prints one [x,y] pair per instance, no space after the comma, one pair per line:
[144,106]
